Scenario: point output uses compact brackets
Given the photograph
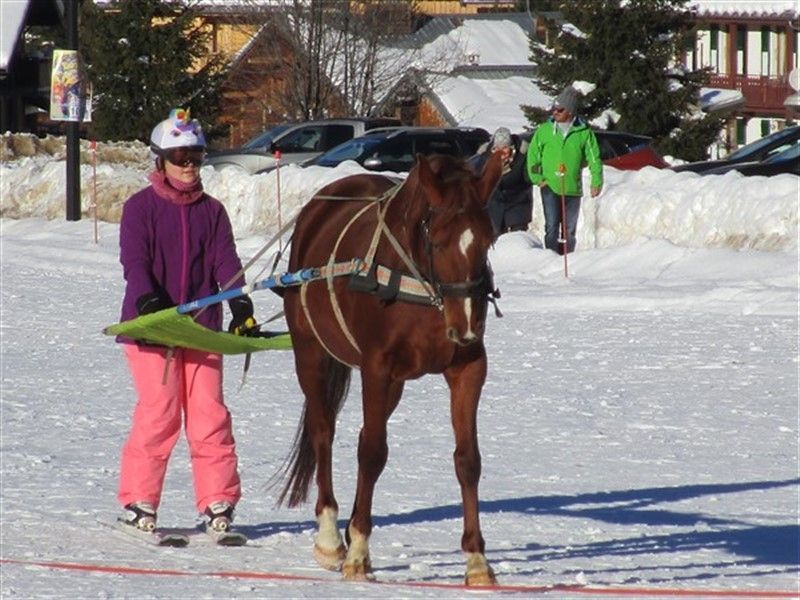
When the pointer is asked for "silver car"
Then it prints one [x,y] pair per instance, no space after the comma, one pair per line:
[296,142]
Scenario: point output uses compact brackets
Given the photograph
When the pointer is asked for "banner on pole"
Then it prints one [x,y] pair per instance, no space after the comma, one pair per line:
[70,92]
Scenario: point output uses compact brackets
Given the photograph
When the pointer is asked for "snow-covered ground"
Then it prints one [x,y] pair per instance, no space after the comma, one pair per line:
[639,425]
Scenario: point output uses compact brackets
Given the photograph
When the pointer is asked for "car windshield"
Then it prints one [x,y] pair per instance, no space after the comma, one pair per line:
[356,149]
[264,139]
[790,153]
[775,138]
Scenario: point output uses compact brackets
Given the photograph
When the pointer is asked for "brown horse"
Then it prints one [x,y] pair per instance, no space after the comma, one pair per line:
[417,305]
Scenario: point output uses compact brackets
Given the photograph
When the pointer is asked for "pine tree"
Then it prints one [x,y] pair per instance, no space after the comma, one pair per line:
[141,57]
[629,49]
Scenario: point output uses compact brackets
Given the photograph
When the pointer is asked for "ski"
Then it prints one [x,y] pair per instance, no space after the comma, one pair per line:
[155,538]
[227,538]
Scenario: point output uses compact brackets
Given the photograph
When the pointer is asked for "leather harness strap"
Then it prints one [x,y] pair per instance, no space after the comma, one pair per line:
[374,201]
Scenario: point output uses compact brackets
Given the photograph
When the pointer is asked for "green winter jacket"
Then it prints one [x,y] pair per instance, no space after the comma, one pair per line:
[549,149]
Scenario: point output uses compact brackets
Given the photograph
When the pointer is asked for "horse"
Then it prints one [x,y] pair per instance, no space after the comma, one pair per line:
[417,305]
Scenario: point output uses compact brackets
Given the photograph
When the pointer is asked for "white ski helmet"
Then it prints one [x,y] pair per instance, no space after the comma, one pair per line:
[177,131]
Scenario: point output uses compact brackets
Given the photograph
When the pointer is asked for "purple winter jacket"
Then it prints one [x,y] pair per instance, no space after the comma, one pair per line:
[187,251]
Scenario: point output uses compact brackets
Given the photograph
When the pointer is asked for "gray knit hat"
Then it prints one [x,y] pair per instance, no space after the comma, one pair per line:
[501,138]
[568,99]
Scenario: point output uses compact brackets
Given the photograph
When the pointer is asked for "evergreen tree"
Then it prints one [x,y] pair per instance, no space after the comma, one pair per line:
[629,49]
[142,57]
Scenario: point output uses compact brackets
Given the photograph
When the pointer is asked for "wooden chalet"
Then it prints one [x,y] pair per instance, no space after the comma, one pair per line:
[751,47]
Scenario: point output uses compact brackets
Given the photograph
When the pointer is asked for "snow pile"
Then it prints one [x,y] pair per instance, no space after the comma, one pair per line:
[685,209]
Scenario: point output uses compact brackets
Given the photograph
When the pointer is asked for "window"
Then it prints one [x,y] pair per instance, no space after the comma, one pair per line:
[306,139]
[766,57]
[741,130]
[606,149]
[436,145]
[741,51]
[396,154]
[337,134]
[714,38]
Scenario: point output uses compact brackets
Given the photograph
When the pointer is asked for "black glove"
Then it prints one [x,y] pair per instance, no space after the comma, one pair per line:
[152,302]
[242,322]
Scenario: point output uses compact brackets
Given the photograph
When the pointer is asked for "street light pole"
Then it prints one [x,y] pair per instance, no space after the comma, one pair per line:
[73,127]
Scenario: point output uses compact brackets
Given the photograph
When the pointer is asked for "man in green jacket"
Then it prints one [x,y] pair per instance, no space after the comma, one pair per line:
[558,151]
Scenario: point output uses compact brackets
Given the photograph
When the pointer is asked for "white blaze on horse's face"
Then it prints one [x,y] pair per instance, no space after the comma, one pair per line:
[469,335]
[465,241]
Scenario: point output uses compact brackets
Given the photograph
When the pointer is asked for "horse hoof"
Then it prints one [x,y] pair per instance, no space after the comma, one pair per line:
[330,559]
[361,571]
[479,573]
[481,578]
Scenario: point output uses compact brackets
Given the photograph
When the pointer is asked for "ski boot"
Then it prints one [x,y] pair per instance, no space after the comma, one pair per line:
[140,515]
[218,517]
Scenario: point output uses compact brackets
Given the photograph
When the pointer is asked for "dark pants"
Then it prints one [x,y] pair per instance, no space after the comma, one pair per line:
[551,203]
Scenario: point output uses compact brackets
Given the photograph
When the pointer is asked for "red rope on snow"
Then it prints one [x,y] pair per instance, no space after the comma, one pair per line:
[574,589]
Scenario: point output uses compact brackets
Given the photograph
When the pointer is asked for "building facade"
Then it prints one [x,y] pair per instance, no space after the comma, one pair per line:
[751,47]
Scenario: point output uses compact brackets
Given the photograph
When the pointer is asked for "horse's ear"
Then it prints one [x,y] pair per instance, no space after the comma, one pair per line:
[427,179]
[424,172]
[491,176]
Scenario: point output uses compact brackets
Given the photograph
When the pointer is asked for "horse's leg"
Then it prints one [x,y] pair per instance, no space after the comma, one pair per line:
[317,373]
[379,399]
[466,381]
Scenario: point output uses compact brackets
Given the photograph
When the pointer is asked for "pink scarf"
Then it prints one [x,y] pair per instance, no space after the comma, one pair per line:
[176,191]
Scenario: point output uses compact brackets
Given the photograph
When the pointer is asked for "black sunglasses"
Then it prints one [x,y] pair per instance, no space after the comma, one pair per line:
[183,157]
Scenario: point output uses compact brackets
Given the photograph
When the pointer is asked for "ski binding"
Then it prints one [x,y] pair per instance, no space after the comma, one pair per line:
[154,538]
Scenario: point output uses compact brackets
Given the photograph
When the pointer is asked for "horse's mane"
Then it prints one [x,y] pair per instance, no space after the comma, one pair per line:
[450,169]
[451,181]
[450,173]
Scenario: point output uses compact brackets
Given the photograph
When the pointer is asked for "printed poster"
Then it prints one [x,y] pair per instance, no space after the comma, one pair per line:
[70,94]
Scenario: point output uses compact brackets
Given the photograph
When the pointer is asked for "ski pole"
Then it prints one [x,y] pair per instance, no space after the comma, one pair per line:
[278,193]
[562,169]
[93,146]
[274,281]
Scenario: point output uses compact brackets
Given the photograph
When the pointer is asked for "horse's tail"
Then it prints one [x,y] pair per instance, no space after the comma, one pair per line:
[302,462]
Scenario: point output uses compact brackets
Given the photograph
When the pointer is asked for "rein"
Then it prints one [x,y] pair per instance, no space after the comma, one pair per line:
[416,288]
[473,288]
[368,276]
[369,266]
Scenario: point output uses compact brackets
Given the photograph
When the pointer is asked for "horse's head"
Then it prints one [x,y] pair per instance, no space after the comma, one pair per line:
[454,239]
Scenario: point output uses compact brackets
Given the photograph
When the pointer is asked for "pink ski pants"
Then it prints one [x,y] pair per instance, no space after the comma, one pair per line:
[193,388]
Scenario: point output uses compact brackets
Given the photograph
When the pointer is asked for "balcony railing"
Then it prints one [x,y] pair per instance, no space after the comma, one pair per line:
[761,94]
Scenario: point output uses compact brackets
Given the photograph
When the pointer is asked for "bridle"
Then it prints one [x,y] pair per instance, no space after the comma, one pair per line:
[481,288]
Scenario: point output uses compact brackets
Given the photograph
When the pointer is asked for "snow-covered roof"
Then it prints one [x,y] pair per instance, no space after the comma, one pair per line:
[748,8]
[477,69]
[480,41]
[488,103]
[12,16]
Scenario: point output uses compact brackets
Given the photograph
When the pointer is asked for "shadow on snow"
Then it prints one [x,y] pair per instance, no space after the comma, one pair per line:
[764,544]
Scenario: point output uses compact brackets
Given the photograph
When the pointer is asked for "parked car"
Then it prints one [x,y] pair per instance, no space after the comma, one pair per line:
[394,149]
[628,151]
[625,151]
[767,146]
[787,161]
[296,142]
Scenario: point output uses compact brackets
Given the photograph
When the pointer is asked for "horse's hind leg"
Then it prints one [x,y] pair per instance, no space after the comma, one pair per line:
[465,383]
[324,382]
[379,399]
